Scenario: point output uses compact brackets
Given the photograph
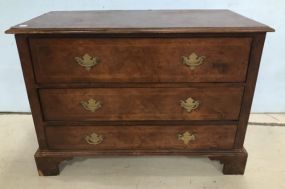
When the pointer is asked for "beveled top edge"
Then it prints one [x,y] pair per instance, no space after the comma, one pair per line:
[139,21]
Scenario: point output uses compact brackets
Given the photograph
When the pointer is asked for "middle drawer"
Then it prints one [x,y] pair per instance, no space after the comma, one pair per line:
[111,104]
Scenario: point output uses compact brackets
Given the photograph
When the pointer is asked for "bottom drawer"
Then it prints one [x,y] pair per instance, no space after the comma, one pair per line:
[141,137]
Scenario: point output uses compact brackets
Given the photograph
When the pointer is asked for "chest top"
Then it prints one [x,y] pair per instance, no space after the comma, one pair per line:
[140,21]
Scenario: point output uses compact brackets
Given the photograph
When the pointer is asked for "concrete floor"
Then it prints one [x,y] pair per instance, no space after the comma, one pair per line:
[265,167]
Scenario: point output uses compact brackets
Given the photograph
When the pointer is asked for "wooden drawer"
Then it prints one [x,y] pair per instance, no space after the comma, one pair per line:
[140,59]
[141,137]
[99,104]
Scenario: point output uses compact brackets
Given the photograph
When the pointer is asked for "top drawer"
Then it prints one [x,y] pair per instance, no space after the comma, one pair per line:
[64,60]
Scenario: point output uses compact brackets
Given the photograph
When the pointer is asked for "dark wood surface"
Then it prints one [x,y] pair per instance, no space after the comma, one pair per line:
[208,137]
[141,104]
[48,162]
[29,77]
[140,21]
[234,163]
[140,60]
[140,81]
[255,57]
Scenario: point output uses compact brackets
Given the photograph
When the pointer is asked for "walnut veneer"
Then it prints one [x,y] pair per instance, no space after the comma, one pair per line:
[140,83]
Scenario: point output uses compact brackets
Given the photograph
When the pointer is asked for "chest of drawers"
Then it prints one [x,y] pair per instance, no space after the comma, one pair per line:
[140,83]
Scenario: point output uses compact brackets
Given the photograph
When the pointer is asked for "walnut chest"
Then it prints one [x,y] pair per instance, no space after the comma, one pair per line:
[140,83]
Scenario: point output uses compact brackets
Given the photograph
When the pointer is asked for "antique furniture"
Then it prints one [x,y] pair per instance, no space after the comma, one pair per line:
[140,83]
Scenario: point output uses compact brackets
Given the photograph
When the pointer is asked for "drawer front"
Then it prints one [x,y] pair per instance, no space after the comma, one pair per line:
[141,137]
[100,104]
[58,60]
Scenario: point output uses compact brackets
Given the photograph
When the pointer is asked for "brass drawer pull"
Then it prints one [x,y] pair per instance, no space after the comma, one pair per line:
[94,138]
[186,137]
[87,61]
[193,60]
[189,104]
[91,105]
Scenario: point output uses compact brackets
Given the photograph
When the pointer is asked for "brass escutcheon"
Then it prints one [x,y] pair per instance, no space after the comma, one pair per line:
[91,105]
[193,60]
[189,104]
[94,138]
[186,137]
[87,61]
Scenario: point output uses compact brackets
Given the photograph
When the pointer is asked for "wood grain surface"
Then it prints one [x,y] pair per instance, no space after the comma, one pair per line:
[141,103]
[142,137]
[140,81]
[140,21]
[140,60]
